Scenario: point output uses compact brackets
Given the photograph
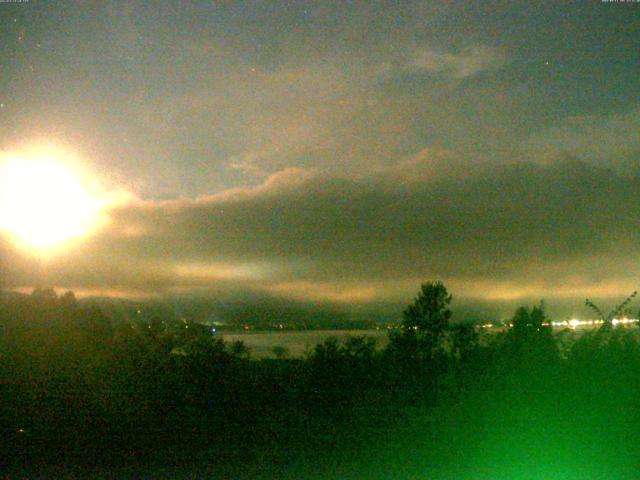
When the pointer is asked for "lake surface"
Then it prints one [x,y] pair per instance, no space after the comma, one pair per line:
[297,344]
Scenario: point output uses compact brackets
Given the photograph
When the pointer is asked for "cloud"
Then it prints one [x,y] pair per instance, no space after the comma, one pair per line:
[512,231]
[428,165]
[611,137]
[465,63]
[280,182]
[261,120]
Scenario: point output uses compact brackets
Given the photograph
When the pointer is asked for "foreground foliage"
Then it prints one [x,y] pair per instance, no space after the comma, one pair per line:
[84,395]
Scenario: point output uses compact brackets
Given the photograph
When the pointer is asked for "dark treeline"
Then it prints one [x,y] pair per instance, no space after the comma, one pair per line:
[83,396]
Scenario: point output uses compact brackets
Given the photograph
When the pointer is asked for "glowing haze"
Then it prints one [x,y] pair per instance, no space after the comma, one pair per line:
[324,152]
[43,202]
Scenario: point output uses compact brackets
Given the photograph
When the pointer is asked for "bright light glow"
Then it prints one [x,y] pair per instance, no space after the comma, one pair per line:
[43,202]
[574,322]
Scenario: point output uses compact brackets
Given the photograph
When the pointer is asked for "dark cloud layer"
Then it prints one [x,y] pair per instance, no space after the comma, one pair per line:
[563,230]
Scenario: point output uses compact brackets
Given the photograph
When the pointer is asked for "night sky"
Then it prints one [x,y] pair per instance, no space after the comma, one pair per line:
[336,152]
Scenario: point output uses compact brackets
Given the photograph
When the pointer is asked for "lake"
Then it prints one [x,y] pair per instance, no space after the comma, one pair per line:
[298,343]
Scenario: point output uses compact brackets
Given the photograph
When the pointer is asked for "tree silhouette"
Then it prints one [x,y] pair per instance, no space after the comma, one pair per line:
[326,352]
[280,352]
[239,349]
[530,340]
[620,309]
[425,323]
[359,347]
[527,323]
[465,341]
